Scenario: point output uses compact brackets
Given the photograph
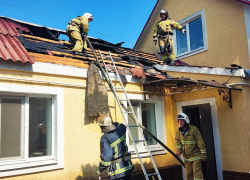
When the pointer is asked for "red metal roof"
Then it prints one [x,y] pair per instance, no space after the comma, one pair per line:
[244,1]
[10,46]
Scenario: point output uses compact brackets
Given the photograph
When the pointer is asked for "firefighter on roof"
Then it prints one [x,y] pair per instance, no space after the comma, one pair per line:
[163,33]
[190,143]
[74,31]
[114,150]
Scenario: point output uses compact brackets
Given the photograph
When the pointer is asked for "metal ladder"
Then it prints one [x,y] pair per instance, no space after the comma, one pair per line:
[130,111]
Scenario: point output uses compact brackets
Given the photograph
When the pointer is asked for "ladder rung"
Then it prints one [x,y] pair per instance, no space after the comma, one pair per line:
[129,112]
[118,88]
[139,140]
[145,156]
[153,174]
[133,126]
[113,76]
[123,99]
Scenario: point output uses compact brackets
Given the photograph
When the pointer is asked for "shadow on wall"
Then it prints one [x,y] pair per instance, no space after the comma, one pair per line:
[90,172]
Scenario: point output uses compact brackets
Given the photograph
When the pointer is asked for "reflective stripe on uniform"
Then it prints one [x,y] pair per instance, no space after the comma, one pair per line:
[105,163]
[193,159]
[178,147]
[117,141]
[203,151]
[188,142]
[116,152]
[119,171]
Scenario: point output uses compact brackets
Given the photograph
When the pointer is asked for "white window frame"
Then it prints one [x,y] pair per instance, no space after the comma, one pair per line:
[185,22]
[160,124]
[36,164]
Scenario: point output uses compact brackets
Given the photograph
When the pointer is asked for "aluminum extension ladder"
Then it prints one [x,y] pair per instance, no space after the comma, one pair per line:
[130,112]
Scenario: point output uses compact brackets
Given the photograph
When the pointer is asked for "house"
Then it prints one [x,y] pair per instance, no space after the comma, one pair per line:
[43,85]
[215,47]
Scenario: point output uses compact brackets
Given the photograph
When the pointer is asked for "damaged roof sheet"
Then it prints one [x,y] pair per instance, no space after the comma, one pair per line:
[10,46]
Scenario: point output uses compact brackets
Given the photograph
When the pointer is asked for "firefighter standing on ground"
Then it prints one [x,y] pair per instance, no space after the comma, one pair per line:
[190,144]
[114,150]
[74,31]
[163,33]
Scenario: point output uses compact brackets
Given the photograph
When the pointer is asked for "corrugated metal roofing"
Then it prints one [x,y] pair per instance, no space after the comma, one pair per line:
[10,46]
[12,49]
[244,1]
[10,27]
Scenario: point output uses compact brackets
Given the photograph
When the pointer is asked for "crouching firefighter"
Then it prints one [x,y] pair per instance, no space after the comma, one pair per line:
[114,150]
[164,34]
[190,144]
[74,31]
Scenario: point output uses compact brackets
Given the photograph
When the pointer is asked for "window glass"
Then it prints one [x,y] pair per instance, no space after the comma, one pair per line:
[181,41]
[10,123]
[196,34]
[149,121]
[134,130]
[40,134]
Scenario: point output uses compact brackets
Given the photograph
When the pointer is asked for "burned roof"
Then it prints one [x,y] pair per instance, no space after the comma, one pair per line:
[21,41]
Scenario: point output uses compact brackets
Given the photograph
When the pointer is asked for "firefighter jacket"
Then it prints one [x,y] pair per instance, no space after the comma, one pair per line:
[164,27]
[113,147]
[79,24]
[191,144]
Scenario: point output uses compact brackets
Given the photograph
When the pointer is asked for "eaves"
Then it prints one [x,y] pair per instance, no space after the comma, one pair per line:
[154,14]
[205,70]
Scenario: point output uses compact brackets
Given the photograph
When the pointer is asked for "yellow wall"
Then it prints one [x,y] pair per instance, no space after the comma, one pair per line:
[233,126]
[81,133]
[225,27]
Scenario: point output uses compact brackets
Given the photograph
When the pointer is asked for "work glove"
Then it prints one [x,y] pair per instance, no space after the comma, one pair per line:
[154,38]
[99,172]
[184,30]
[203,156]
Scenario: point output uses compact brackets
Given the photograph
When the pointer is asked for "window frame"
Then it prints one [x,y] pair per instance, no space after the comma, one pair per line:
[25,164]
[160,124]
[185,22]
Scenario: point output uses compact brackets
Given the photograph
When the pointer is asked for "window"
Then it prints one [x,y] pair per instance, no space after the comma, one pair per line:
[145,113]
[29,132]
[194,41]
[150,115]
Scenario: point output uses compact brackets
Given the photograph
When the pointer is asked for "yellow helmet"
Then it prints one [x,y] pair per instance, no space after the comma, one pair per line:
[104,120]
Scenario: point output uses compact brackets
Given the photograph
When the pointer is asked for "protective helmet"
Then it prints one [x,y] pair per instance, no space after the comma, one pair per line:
[163,11]
[104,120]
[184,117]
[41,125]
[88,16]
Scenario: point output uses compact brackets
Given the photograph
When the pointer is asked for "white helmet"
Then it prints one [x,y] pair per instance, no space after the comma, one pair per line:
[88,16]
[184,117]
[104,120]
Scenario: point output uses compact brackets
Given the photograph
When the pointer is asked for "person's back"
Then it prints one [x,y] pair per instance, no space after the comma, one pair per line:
[114,155]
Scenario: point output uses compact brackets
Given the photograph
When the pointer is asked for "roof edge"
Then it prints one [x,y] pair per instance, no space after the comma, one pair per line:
[148,24]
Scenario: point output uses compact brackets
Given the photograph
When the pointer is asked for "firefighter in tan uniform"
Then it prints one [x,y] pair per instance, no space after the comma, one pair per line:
[74,31]
[190,144]
[164,34]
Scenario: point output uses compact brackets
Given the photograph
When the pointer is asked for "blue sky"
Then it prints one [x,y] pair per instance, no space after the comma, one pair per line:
[114,20]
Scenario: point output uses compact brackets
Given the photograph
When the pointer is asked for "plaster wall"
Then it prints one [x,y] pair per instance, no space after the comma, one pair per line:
[225,27]
[233,126]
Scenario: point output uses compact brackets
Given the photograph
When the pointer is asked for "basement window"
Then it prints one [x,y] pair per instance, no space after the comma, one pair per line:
[195,39]
[29,134]
[150,114]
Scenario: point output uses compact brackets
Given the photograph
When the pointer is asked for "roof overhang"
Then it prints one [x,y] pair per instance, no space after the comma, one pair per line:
[155,13]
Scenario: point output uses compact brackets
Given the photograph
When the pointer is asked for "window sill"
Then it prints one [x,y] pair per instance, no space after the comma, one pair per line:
[154,151]
[26,167]
[191,53]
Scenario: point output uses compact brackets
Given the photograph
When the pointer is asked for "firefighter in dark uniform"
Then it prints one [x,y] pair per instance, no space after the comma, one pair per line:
[164,34]
[74,31]
[114,150]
